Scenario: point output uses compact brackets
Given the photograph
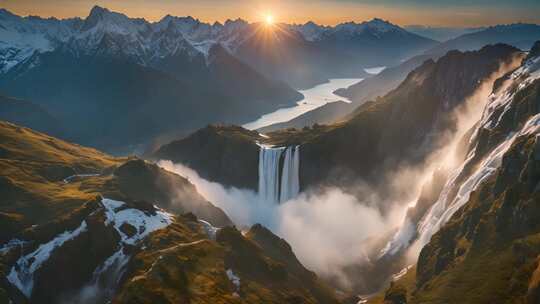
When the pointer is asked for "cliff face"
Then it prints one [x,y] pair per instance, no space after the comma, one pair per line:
[493,239]
[226,154]
[482,229]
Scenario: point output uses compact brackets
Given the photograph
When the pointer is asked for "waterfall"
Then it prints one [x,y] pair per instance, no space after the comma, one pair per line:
[270,189]
[290,185]
[269,173]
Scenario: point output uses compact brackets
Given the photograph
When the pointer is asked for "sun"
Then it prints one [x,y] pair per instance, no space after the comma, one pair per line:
[269,19]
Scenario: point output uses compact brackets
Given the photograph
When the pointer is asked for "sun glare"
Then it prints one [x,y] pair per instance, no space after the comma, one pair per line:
[269,19]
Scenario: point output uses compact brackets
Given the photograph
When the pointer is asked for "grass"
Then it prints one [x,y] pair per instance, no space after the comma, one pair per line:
[32,168]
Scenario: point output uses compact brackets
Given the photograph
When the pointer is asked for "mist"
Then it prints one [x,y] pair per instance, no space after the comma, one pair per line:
[326,227]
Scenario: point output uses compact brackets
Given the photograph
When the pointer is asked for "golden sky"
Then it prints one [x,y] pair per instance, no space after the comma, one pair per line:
[403,12]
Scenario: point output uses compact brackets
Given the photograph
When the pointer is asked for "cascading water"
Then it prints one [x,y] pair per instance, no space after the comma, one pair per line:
[269,173]
[270,189]
[290,181]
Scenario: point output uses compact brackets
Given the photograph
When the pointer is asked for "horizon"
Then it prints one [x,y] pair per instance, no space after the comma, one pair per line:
[289,13]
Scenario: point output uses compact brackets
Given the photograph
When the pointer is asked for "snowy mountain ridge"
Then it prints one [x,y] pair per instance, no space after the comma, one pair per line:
[113,33]
[314,32]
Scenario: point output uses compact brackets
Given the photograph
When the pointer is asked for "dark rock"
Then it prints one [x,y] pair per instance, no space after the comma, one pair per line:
[147,184]
[226,154]
[128,229]
[535,51]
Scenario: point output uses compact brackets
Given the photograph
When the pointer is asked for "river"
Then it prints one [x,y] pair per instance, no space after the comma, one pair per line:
[314,97]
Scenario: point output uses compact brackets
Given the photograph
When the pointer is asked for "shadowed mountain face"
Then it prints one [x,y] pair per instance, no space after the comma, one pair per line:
[113,103]
[97,220]
[118,105]
[398,127]
[111,69]
[26,113]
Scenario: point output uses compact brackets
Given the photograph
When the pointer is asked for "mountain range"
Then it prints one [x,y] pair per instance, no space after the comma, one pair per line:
[176,69]
[519,35]
[441,34]
[152,43]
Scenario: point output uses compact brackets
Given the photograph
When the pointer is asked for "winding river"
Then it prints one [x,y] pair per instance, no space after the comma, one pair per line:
[314,97]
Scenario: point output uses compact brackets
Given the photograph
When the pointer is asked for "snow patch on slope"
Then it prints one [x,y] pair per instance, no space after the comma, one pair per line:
[235,280]
[107,276]
[22,273]
[144,222]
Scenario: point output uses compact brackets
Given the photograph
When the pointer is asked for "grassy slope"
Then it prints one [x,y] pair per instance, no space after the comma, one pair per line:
[32,167]
[403,285]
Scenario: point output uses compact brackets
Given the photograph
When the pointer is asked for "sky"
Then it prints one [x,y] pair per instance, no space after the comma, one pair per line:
[454,13]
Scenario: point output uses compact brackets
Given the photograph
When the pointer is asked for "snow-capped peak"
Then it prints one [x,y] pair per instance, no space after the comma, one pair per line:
[22,36]
[104,32]
[381,25]
[310,30]
[376,24]
[236,23]
[112,22]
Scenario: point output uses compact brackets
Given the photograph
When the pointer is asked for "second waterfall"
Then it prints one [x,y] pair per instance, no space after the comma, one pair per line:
[273,187]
